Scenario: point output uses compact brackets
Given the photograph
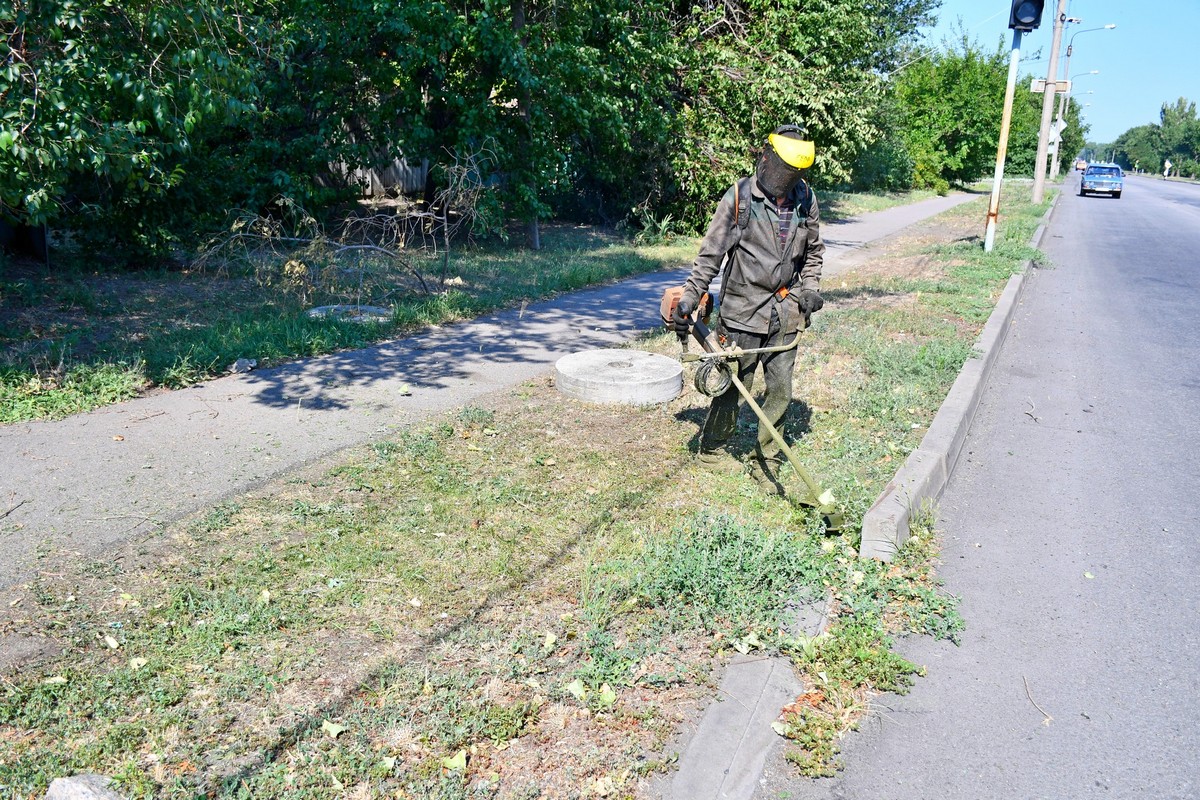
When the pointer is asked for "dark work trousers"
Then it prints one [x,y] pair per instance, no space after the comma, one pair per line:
[721,422]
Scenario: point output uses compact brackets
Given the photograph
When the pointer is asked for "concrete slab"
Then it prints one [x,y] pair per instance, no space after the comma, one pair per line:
[726,756]
[610,376]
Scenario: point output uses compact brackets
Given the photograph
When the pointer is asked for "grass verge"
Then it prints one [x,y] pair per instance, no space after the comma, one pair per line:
[843,205]
[520,599]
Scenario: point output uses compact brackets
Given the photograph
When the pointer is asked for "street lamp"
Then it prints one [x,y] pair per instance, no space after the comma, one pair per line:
[1064,106]
[1064,102]
[1049,95]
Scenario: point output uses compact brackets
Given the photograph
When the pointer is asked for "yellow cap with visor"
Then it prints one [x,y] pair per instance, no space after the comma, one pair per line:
[798,153]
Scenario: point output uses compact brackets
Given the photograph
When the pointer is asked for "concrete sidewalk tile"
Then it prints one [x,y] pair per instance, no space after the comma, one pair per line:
[726,756]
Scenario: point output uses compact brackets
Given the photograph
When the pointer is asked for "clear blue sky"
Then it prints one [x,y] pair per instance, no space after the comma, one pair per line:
[1150,58]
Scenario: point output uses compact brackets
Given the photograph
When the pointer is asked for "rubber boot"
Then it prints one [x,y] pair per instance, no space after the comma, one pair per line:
[765,472]
[718,461]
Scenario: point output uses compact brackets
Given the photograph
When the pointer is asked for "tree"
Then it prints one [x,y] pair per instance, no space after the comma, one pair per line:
[1176,137]
[1180,132]
[111,91]
[1140,147]
[750,65]
[161,118]
[952,103]
[1073,136]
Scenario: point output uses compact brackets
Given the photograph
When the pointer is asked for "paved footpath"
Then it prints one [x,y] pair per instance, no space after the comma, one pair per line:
[89,482]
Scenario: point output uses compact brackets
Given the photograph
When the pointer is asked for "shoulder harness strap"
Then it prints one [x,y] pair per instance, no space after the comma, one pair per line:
[804,197]
[741,202]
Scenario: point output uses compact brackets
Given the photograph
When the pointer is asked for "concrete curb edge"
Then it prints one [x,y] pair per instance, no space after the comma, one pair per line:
[923,476]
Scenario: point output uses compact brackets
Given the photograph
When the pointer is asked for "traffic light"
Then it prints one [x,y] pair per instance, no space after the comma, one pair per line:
[1026,15]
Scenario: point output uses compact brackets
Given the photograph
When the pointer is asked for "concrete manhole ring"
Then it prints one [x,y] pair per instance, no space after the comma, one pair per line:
[352,313]
[630,377]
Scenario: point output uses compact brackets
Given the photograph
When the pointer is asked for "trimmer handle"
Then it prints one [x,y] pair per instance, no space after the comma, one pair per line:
[711,344]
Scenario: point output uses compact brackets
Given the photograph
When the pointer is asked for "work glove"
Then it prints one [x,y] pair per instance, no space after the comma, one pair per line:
[810,302]
[681,318]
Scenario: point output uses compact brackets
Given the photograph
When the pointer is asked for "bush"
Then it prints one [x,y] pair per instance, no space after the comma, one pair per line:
[886,165]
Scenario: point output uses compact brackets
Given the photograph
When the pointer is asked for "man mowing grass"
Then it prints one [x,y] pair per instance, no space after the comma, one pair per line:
[766,230]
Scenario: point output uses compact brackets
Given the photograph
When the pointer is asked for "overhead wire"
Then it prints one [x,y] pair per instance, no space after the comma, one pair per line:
[931,49]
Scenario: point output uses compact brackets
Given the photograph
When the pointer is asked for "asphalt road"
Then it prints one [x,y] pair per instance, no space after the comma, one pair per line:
[1071,533]
[87,483]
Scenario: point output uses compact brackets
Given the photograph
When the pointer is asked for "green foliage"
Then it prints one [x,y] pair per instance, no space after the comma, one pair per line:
[716,573]
[152,121]
[656,231]
[861,655]
[887,163]
[1141,147]
[1026,126]
[473,415]
[1176,137]
[1074,135]
[146,124]
[952,103]
[104,99]
[750,66]
[25,395]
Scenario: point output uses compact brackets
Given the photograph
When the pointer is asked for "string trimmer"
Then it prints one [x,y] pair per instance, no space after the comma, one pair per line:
[714,376]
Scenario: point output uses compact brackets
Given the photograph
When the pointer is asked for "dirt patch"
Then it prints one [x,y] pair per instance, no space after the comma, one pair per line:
[17,650]
[88,314]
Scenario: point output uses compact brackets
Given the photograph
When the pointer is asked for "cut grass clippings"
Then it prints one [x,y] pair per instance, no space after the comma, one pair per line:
[516,600]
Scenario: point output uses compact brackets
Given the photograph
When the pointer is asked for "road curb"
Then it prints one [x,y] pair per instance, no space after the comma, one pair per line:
[923,476]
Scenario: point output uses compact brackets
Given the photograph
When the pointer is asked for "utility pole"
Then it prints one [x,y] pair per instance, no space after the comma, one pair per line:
[1039,176]
[993,214]
[1064,105]
[1065,102]
[1023,17]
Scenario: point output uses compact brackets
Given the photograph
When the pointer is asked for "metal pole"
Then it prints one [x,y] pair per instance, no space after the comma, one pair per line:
[1039,176]
[993,214]
[1063,105]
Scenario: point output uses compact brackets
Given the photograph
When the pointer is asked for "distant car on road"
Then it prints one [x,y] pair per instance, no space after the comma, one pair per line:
[1080,165]
[1102,179]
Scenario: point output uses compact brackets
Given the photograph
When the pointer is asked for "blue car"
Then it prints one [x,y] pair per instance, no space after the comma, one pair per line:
[1102,179]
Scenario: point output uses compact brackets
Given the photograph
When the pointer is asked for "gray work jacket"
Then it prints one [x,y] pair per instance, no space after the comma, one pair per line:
[756,267]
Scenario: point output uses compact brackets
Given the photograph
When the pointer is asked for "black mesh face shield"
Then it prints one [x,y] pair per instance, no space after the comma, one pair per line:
[775,177]
[784,158]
